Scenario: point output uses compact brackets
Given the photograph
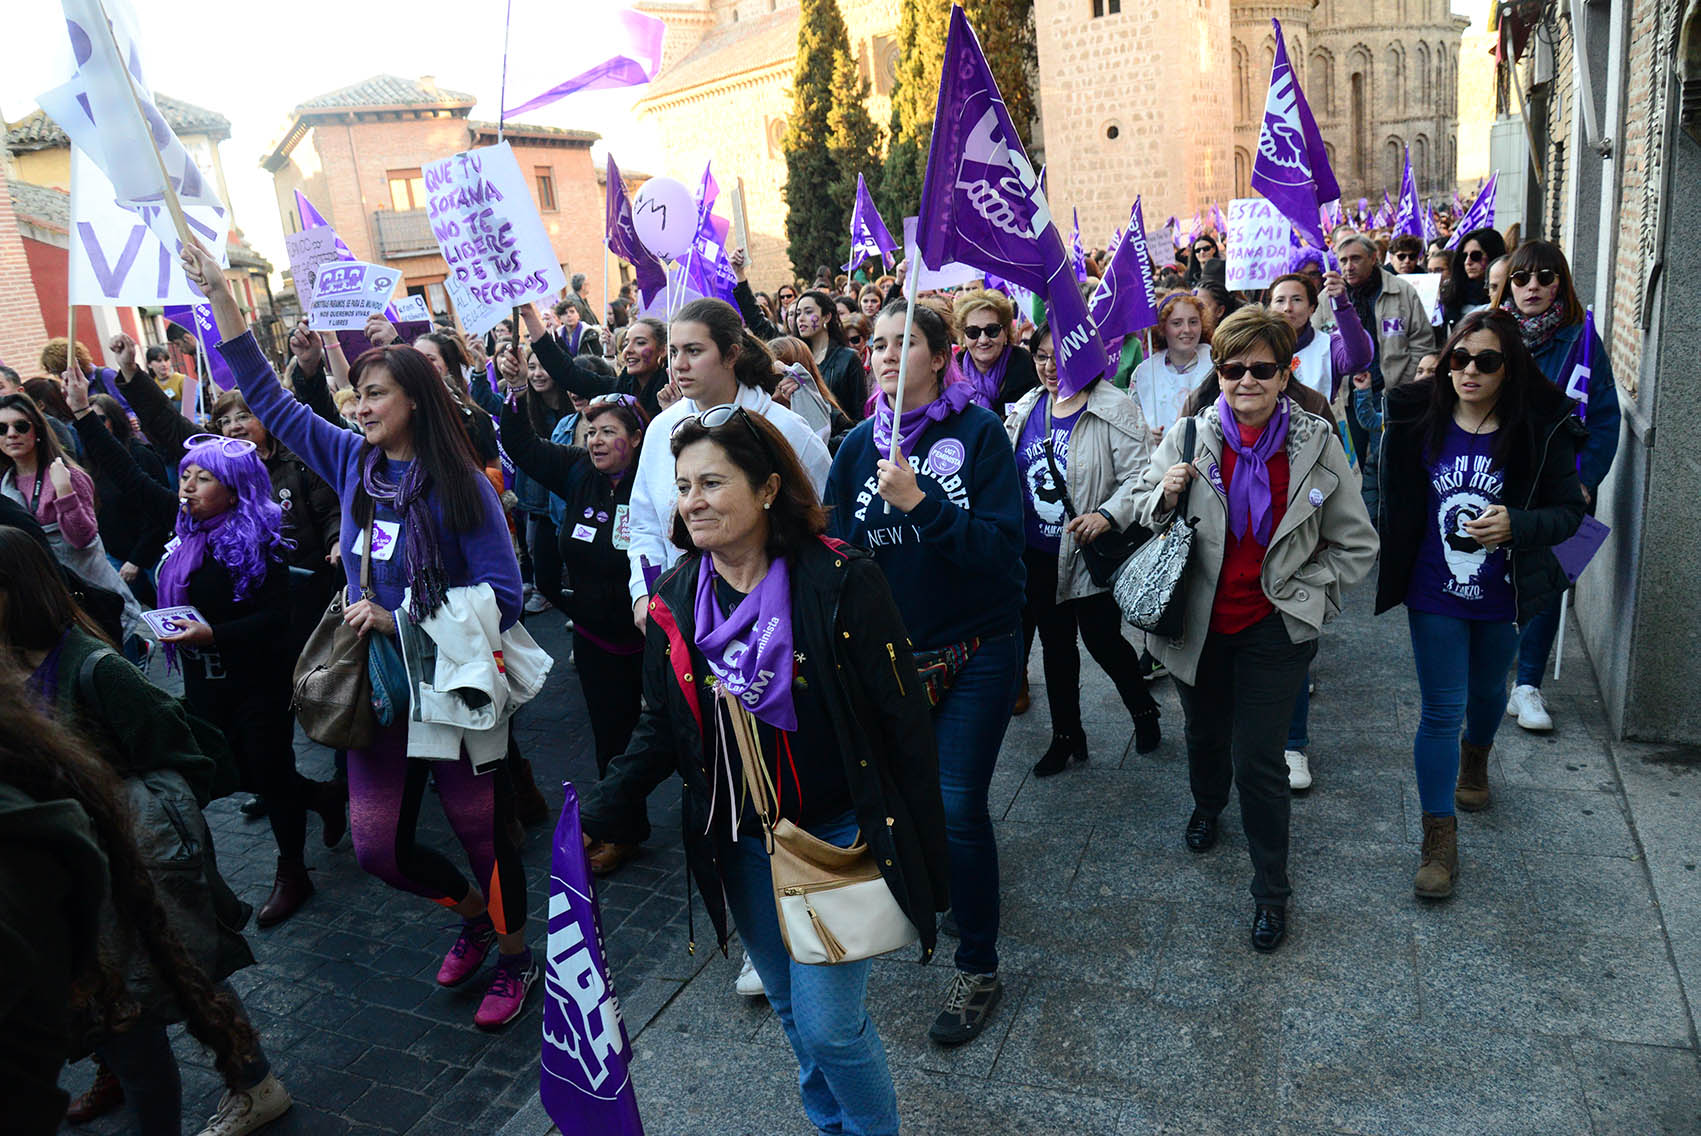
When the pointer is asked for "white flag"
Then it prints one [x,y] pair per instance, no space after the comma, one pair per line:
[116,258]
[96,110]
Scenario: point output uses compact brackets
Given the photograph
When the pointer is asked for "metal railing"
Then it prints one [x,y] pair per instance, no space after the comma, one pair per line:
[403,234]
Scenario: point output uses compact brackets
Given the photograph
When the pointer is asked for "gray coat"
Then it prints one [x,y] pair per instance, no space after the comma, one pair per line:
[1108,450]
[1323,543]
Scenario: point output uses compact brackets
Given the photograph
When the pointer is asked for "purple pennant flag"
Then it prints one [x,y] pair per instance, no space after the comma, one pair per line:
[1292,167]
[584,1082]
[869,235]
[1479,216]
[310,219]
[198,319]
[1077,254]
[1217,222]
[1579,366]
[1124,301]
[982,205]
[625,50]
[622,239]
[708,272]
[1458,206]
[1430,229]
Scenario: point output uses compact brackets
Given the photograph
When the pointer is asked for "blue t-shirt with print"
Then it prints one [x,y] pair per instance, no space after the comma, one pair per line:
[1454,575]
[1043,515]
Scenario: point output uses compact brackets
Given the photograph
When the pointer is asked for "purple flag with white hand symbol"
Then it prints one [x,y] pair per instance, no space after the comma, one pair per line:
[1408,218]
[1479,216]
[869,235]
[622,239]
[584,1081]
[1077,254]
[982,205]
[708,272]
[608,47]
[1124,301]
[1292,167]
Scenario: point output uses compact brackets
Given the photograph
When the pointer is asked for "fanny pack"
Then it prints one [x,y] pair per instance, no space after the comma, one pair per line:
[938,668]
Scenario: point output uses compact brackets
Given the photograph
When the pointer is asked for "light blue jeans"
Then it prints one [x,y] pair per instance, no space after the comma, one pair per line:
[841,1065]
[1461,671]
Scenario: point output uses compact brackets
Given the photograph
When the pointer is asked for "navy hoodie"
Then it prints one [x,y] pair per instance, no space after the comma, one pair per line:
[954,562]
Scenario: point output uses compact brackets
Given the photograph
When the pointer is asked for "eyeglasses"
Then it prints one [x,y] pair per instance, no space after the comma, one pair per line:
[21,427]
[991,331]
[614,400]
[233,419]
[1044,359]
[1543,276]
[1263,372]
[229,447]
[1474,256]
[1488,362]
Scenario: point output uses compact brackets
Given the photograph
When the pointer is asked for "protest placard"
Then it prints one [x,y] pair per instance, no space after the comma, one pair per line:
[307,250]
[115,255]
[1260,244]
[348,293]
[489,232]
[1428,286]
[945,276]
[412,309]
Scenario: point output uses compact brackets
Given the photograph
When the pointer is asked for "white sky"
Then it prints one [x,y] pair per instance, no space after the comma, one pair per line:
[289,52]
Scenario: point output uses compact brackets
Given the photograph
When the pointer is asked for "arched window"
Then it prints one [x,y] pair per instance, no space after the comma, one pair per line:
[1393,79]
[1425,87]
[1242,172]
[1358,111]
[1320,84]
[1394,162]
[1242,84]
[1420,163]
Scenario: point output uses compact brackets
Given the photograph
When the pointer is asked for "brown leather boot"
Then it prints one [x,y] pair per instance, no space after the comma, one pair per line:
[289,891]
[103,1096]
[1472,791]
[1022,700]
[606,858]
[1440,864]
[529,804]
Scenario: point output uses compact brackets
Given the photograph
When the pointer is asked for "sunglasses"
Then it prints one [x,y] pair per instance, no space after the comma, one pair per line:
[20,427]
[717,416]
[1474,257]
[1488,362]
[1205,248]
[972,333]
[1543,276]
[854,340]
[229,447]
[1263,372]
[614,400]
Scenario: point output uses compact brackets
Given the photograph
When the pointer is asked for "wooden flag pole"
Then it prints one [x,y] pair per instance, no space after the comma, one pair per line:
[70,305]
[172,205]
[738,223]
[1559,650]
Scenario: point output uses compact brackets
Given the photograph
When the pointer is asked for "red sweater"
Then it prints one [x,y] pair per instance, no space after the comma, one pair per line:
[1240,600]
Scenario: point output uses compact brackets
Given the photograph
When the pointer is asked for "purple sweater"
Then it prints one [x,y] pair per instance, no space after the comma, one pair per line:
[1350,348]
[484,555]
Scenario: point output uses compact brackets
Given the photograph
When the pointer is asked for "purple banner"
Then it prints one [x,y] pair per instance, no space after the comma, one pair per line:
[585,1083]
[1480,215]
[1408,218]
[982,205]
[1292,167]
[1575,553]
[1077,254]
[635,59]
[622,239]
[1124,301]
[869,235]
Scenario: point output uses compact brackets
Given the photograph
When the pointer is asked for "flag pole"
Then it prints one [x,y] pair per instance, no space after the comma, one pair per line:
[895,454]
[502,95]
[172,205]
[70,307]
[738,222]
[1559,649]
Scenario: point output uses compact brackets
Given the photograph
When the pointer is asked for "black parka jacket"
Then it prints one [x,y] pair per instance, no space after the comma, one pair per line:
[878,712]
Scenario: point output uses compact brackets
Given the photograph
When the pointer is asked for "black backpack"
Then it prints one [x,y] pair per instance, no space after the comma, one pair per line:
[209,739]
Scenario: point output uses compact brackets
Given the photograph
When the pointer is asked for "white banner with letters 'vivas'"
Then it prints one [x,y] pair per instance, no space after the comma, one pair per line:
[116,258]
[489,232]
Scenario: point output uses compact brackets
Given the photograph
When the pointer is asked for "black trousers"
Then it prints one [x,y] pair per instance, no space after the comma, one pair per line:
[545,544]
[613,686]
[1099,622]
[1238,709]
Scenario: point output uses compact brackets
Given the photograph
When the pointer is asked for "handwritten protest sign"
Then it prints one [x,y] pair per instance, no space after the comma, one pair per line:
[307,250]
[348,293]
[1260,243]
[412,309]
[490,234]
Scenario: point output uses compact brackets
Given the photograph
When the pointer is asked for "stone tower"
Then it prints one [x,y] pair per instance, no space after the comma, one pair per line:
[1252,53]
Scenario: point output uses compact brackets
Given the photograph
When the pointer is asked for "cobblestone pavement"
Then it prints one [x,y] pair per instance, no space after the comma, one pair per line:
[1547,997]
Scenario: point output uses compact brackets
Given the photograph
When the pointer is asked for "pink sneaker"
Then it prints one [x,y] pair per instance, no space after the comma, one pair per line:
[467,955]
[515,976]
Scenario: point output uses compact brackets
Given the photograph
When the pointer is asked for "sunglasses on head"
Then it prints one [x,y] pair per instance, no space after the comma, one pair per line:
[1543,276]
[717,416]
[614,400]
[1475,255]
[20,427]
[1488,362]
[972,333]
[229,447]
[1234,372]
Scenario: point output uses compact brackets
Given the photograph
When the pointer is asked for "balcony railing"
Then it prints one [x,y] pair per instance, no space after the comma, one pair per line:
[404,234]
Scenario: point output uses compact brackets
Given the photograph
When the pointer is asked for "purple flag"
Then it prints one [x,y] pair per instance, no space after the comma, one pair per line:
[1458,206]
[198,319]
[623,50]
[707,270]
[1124,301]
[1575,552]
[1174,229]
[1217,222]
[622,239]
[1479,216]
[981,204]
[1077,254]
[1430,229]
[1292,167]
[1579,365]
[1363,210]
[310,219]
[1195,229]
[585,1083]
[869,235]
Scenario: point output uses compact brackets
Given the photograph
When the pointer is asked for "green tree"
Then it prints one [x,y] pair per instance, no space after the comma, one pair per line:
[1006,30]
[853,142]
[817,215]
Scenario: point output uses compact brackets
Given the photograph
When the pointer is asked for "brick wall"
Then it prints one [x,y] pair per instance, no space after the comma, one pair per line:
[21,329]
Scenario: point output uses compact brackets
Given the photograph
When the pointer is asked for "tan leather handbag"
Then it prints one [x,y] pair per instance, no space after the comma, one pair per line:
[333,680]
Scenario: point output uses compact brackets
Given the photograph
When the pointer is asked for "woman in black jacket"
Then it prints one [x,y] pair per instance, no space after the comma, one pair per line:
[133,542]
[1479,482]
[804,633]
[1466,287]
[595,483]
[818,325]
[643,362]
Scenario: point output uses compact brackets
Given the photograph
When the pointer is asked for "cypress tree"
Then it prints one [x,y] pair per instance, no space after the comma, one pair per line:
[1006,30]
[853,141]
[817,220]
[921,58]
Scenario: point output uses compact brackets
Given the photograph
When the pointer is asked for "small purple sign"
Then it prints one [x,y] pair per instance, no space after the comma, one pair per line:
[1394,326]
[1574,554]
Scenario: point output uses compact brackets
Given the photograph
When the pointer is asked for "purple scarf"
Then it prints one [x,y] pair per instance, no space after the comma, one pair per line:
[1249,504]
[915,422]
[749,650]
[986,384]
[426,574]
[190,553]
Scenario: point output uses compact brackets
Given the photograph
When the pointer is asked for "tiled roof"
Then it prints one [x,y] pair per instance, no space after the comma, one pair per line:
[242,255]
[385,91]
[533,130]
[38,132]
[46,205]
[730,49]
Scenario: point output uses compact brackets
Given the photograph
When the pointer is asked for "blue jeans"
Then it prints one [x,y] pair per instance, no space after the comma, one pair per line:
[969,726]
[1461,670]
[1536,644]
[1299,725]
[841,1065]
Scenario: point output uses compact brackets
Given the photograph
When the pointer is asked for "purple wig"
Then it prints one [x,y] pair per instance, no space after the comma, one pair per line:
[1303,256]
[251,533]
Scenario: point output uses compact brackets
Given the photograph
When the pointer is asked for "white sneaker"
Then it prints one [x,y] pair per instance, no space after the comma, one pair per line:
[536,603]
[249,1110]
[1531,709]
[749,983]
[1299,770]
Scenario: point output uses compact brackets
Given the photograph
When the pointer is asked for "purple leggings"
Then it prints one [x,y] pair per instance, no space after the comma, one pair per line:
[385,790]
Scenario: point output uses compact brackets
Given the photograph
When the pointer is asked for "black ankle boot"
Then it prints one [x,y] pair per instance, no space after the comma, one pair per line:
[1147,736]
[1063,747]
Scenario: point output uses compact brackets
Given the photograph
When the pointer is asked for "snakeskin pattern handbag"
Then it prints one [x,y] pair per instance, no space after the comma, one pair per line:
[1151,588]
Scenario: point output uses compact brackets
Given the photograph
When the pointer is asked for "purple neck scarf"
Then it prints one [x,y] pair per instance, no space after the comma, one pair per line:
[190,553]
[986,384]
[426,574]
[749,650]
[915,422]
[1249,504]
